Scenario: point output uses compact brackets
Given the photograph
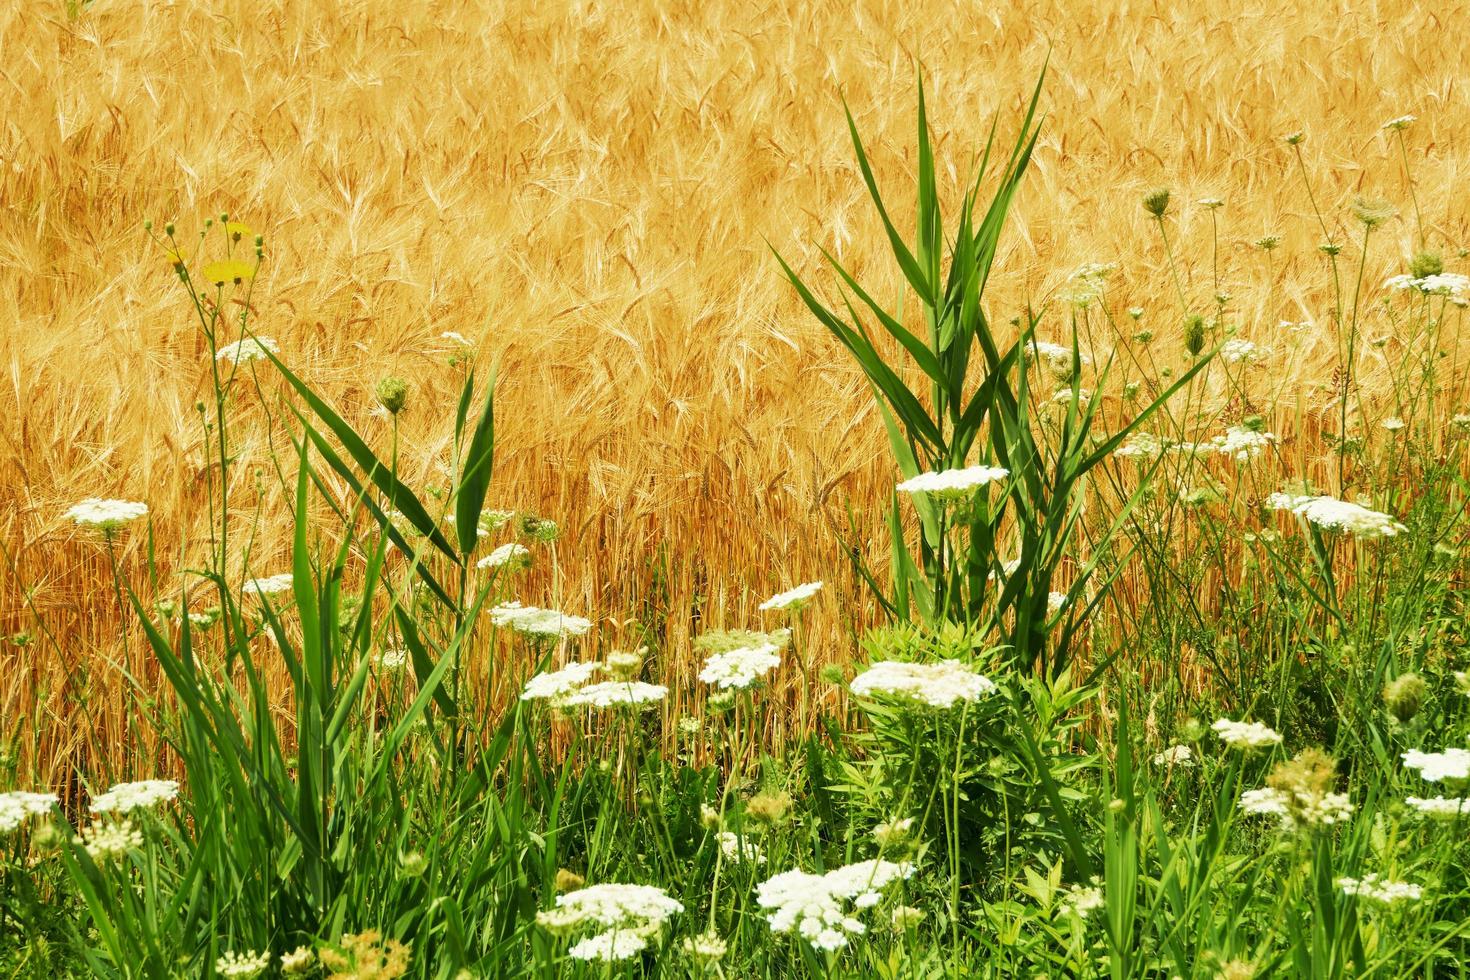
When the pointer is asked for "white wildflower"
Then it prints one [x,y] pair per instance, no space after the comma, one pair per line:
[456,337]
[242,965]
[106,515]
[610,946]
[1083,899]
[1393,423]
[511,556]
[269,586]
[127,797]
[1056,358]
[248,349]
[707,947]
[298,961]
[1245,734]
[1238,350]
[1175,755]
[393,659]
[1142,445]
[739,850]
[109,841]
[792,599]
[557,684]
[1384,891]
[941,685]
[893,831]
[1401,122]
[740,668]
[539,623]
[1332,514]
[1452,764]
[1440,808]
[953,484]
[18,805]
[609,694]
[814,906]
[1242,444]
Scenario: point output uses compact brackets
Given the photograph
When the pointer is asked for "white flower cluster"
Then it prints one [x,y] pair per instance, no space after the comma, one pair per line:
[513,556]
[1332,514]
[1295,808]
[109,841]
[1142,445]
[1440,808]
[740,668]
[942,685]
[1376,888]
[792,599]
[1240,351]
[628,915]
[1450,284]
[268,586]
[127,797]
[953,484]
[539,623]
[17,806]
[1056,358]
[106,515]
[1452,764]
[569,688]
[1242,444]
[707,946]
[1245,734]
[740,850]
[1082,899]
[247,350]
[1175,755]
[392,659]
[243,966]
[815,905]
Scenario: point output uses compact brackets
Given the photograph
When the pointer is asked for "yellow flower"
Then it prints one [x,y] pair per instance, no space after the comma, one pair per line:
[229,270]
[237,230]
[175,258]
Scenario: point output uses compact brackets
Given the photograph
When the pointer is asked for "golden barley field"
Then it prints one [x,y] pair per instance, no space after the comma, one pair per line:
[590,193]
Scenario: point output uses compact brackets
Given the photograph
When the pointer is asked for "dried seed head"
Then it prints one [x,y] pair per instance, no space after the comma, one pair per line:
[1156,201]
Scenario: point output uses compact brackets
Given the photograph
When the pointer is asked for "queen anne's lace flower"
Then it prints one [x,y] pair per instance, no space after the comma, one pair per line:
[941,685]
[953,484]
[1332,514]
[1242,444]
[106,515]
[1238,350]
[1083,899]
[127,797]
[1245,734]
[610,694]
[1297,808]
[513,555]
[109,841]
[742,667]
[17,806]
[557,684]
[792,599]
[539,623]
[243,966]
[269,586]
[1175,755]
[815,906]
[1376,888]
[1142,445]
[247,350]
[1452,764]
[627,914]
[1440,808]
[739,850]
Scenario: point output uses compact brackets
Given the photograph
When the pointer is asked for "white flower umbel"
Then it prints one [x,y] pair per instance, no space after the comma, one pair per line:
[1143,445]
[1440,808]
[1054,357]
[1297,808]
[1240,351]
[242,966]
[109,841]
[539,623]
[792,599]
[1175,755]
[953,484]
[707,947]
[941,685]
[1452,764]
[816,906]
[555,685]
[1242,444]
[17,806]
[1450,284]
[1245,734]
[1384,891]
[612,694]
[247,350]
[127,797]
[741,668]
[627,914]
[269,586]
[106,515]
[1332,514]
[739,851]
[392,659]
[1081,900]
[511,556]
